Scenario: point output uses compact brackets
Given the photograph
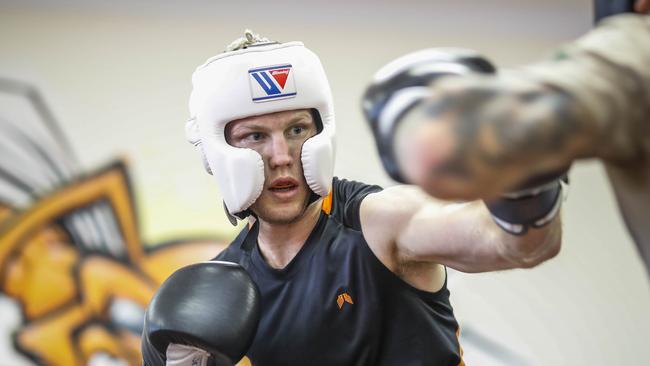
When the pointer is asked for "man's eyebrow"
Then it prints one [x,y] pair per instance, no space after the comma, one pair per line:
[300,118]
[246,127]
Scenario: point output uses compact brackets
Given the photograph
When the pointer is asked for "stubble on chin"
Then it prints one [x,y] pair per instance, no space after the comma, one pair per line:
[277,216]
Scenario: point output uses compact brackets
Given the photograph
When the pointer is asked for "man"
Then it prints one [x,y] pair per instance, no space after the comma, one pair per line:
[476,136]
[348,274]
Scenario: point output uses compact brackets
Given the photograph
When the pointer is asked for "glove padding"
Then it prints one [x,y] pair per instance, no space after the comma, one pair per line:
[213,306]
[404,83]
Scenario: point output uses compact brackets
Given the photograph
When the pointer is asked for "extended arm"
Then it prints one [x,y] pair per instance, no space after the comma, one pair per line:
[404,225]
[479,135]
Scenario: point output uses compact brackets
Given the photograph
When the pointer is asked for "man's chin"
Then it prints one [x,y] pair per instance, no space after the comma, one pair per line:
[279,214]
[281,218]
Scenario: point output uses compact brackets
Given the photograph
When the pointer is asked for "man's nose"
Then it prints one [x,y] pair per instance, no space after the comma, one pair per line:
[280,152]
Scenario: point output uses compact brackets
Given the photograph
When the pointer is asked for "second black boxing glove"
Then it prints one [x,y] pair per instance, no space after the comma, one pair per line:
[206,313]
[404,83]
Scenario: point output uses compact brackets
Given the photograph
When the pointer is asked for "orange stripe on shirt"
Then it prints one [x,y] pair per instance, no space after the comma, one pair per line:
[460,348]
[327,204]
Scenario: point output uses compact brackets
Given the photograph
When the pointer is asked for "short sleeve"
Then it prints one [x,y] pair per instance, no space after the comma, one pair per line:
[346,201]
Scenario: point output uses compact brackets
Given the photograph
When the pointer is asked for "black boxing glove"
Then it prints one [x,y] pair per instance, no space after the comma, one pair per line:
[203,314]
[534,204]
[404,83]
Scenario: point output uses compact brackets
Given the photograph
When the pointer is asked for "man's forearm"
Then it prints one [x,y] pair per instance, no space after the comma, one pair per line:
[485,134]
[606,74]
[506,129]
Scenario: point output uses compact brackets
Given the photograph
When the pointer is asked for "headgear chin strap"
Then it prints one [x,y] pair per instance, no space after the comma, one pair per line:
[253,81]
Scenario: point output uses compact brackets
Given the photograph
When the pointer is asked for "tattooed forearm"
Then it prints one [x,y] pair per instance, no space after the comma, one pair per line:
[606,73]
[487,134]
[501,127]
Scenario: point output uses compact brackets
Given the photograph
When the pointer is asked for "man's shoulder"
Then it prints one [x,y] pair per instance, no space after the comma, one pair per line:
[347,189]
[346,198]
[349,182]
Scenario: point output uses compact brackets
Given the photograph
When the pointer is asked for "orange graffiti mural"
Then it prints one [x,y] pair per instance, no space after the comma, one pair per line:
[65,294]
[72,257]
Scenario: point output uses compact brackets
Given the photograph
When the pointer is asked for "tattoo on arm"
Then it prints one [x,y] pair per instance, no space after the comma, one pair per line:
[499,128]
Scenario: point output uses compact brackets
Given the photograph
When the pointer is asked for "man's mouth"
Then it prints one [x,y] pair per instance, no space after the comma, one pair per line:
[283,185]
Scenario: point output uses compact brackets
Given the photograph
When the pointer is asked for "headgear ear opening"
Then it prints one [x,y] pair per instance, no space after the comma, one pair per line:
[317,120]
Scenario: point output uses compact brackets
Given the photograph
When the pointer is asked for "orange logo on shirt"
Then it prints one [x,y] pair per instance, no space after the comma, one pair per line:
[342,299]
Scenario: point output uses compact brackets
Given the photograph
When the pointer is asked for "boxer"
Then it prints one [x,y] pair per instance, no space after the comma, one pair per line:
[348,273]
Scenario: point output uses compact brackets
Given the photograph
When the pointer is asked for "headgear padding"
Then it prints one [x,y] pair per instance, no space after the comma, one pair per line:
[254,81]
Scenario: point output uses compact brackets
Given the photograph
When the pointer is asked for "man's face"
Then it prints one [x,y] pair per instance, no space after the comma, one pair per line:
[278,138]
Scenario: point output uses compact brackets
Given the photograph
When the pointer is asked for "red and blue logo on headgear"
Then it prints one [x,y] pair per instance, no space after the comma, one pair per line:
[272,83]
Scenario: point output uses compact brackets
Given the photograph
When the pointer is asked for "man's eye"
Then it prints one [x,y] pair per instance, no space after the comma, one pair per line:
[297,130]
[254,136]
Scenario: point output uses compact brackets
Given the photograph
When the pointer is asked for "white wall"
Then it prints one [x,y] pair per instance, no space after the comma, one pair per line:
[118,77]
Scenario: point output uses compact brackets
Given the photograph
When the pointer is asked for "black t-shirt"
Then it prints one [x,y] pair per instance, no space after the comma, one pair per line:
[336,304]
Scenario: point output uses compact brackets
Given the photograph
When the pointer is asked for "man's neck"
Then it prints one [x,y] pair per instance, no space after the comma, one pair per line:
[279,243]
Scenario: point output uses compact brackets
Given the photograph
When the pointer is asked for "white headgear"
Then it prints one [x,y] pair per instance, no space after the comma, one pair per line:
[253,81]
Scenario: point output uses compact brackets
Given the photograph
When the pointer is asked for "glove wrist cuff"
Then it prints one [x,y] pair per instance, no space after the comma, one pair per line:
[184,355]
[536,207]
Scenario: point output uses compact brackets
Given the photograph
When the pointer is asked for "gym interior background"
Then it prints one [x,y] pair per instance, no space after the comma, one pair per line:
[117,77]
